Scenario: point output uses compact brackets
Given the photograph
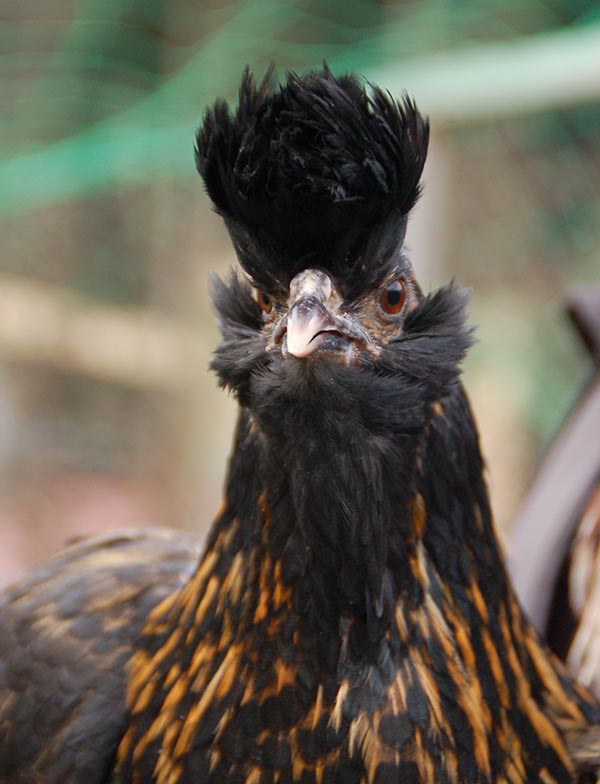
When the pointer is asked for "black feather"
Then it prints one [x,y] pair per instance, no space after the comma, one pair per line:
[242,349]
[305,174]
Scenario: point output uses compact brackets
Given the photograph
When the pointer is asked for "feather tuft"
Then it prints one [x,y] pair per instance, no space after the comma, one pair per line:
[306,172]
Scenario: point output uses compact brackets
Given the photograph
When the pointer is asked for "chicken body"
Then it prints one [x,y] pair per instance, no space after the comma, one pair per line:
[351,620]
[68,635]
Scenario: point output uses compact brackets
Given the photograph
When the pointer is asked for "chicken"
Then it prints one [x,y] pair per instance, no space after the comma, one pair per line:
[351,620]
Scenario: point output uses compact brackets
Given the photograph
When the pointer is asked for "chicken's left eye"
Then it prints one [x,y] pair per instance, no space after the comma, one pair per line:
[393,297]
[264,301]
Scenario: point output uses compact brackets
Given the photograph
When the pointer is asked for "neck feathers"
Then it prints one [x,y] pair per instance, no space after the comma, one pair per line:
[249,655]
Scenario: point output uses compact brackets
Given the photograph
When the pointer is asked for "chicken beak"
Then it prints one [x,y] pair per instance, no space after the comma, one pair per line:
[315,320]
[306,321]
[308,317]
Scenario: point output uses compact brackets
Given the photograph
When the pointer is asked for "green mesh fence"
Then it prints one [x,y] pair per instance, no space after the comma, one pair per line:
[100,92]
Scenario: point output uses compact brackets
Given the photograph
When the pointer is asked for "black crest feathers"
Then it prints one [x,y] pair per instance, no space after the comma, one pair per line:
[311,168]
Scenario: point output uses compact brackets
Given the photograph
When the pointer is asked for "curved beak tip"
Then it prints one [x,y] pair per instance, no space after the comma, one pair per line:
[302,331]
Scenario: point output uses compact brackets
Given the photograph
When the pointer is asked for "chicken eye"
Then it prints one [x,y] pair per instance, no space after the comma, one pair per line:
[393,297]
[264,302]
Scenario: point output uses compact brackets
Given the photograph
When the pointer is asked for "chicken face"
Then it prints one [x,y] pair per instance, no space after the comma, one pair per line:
[315,321]
[388,336]
[315,182]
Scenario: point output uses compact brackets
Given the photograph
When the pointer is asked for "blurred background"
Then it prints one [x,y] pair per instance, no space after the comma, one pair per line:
[108,415]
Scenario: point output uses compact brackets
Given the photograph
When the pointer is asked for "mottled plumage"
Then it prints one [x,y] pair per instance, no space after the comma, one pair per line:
[351,621]
[67,636]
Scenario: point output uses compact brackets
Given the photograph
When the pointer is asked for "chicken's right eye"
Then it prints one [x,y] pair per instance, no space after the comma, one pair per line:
[264,301]
[393,297]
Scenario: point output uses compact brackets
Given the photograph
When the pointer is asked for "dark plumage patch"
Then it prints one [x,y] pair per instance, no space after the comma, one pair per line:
[305,174]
